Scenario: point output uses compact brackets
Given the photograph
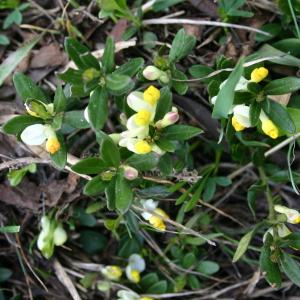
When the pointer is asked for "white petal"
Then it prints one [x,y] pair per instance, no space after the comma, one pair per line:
[242,114]
[86,114]
[149,204]
[135,101]
[213,100]
[34,135]
[135,130]
[136,262]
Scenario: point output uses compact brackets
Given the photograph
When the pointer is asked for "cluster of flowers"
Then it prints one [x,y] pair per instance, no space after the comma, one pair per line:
[241,113]
[51,235]
[136,138]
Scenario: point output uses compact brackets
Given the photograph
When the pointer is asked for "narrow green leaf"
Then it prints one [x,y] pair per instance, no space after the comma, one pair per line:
[243,246]
[98,108]
[131,67]
[95,186]
[110,153]
[282,86]
[60,100]
[90,165]
[10,229]
[17,124]
[164,104]
[290,267]
[12,61]
[143,162]
[225,96]
[108,58]
[180,132]
[27,89]
[124,195]
[59,159]
[76,119]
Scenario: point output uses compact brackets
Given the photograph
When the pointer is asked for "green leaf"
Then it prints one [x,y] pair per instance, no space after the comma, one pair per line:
[131,67]
[110,193]
[189,260]
[282,86]
[165,164]
[243,246]
[17,124]
[166,145]
[110,153]
[9,4]
[159,287]
[225,96]
[143,162]
[119,83]
[5,274]
[180,132]
[98,108]
[208,267]
[95,186]
[16,176]
[124,195]
[295,116]
[92,241]
[148,280]
[13,60]
[291,46]
[252,195]
[4,40]
[15,17]
[160,5]
[290,267]
[59,159]
[76,119]
[164,104]
[27,89]
[60,100]
[10,229]
[180,87]
[80,54]
[278,114]
[90,165]
[182,45]
[268,51]
[108,58]
[273,275]
[210,189]
[255,109]
[200,71]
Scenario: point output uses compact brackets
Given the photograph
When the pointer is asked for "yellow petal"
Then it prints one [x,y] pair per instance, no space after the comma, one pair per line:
[52,145]
[151,95]
[157,223]
[135,276]
[259,74]
[236,125]
[270,129]
[142,117]
[142,147]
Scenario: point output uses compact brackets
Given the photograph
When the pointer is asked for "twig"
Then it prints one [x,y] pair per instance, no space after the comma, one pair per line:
[163,21]
[18,162]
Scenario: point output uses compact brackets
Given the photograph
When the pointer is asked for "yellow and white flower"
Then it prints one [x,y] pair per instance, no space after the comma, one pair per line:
[130,295]
[136,265]
[154,215]
[38,134]
[268,127]
[259,74]
[112,272]
[292,215]
[241,117]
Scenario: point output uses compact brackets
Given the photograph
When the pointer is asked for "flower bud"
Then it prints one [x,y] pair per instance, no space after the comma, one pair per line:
[90,74]
[107,175]
[86,114]
[123,119]
[259,74]
[59,236]
[38,109]
[112,272]
[169,119]
[130,173]
[152,73]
